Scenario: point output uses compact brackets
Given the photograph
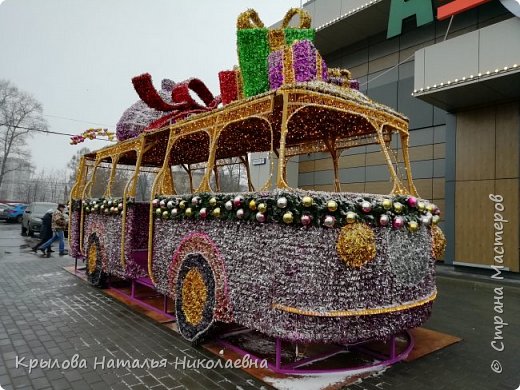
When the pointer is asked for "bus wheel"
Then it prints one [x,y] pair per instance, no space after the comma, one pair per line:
[195,297]
[95,275]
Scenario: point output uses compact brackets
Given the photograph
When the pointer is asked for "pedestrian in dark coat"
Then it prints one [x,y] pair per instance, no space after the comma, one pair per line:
[59,224]
[45,231]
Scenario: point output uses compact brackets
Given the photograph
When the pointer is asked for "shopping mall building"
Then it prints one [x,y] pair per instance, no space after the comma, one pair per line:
[458,81]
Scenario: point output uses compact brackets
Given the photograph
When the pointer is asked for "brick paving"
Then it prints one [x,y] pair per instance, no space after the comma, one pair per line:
[464,308]
[46,313]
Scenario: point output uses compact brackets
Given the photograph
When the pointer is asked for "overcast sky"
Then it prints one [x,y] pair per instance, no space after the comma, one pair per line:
[77,57]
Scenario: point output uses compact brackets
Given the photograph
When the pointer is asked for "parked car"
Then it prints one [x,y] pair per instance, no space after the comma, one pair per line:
[14,213]
[32,217]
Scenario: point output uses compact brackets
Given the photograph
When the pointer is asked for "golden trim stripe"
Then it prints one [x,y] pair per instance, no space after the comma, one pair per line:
[352,313]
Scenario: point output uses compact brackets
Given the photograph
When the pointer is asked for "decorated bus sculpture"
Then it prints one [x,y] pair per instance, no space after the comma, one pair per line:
[299,266]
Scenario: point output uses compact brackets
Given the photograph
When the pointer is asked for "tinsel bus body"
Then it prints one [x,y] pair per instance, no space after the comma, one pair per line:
[300,265]
[345,275]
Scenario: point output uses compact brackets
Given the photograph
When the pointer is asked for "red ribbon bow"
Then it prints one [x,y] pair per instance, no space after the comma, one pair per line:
[183,103]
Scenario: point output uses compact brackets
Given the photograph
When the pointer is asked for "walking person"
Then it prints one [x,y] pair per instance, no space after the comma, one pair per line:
[58,226]
[45,231]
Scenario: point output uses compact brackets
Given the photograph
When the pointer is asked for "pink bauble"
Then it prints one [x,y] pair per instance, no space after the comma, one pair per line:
[412,201]
[329,221]
[260,217]
[384,220]
[237,202]
[306,220]
[203,213]
[398,222]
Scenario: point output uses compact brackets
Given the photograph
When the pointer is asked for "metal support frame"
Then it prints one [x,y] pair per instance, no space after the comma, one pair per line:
[296,367]
[140,302]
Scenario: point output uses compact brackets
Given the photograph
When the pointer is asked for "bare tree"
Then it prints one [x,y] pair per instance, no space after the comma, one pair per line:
[20,115]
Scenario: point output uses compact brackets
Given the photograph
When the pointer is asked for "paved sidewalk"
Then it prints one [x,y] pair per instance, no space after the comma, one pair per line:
[47,313]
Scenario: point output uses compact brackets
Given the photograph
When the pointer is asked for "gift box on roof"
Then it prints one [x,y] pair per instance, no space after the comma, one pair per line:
[339,77]
[342,78]
[255,42]
[230,85]
[297,63]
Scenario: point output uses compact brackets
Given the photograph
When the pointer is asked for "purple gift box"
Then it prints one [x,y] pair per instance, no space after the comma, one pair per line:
[299,62]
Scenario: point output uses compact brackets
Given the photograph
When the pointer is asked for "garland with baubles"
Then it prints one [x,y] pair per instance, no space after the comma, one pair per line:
[400,211]
[107,206]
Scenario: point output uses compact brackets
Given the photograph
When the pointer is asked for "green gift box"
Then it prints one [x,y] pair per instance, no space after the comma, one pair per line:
[255,42]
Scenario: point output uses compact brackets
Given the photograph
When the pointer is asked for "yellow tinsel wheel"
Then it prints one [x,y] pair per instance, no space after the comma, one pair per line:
[438,243]
[92,258]
[194,295]
[356,244]
[95,274]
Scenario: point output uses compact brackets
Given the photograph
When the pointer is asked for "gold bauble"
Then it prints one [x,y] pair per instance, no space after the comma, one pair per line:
[413,226]
[216,212]
[398,207]
[307,201]
[332,205]
[351,217]
[356,244]
[189,212]
[182,205]
[421,206]
[288,217]
[213,202]
[387,204]
[262,207]
[252,205]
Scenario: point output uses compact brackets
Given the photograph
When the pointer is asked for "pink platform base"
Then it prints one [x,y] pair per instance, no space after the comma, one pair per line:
[385,355]
[392,353]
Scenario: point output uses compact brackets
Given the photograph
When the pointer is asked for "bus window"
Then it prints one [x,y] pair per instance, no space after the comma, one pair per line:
[187,177]
[98,183]
[230,175]
[145,179]
[237,144]
[188,157]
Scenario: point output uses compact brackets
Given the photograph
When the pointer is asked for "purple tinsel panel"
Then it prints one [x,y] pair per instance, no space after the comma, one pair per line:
[275,61]
[354,84]
[74,233]
[138,116]
[137,217]
[108,230]
[299,267]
